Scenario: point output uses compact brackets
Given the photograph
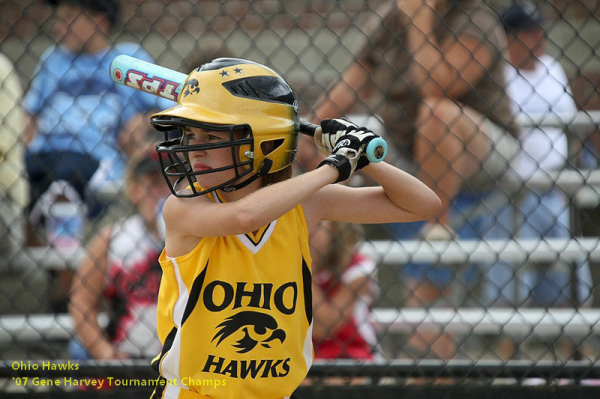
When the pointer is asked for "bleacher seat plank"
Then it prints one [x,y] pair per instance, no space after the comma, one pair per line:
[394,252]
[507,321]
[35,327]
[552,322]
[46,257]
[579,124]
[461,251]
[30,328]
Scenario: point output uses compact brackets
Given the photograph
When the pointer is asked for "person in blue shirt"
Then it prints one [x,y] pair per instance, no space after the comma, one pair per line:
[76,114]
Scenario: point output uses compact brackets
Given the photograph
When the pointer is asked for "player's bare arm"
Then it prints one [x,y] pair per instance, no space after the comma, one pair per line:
[399,198]
[208,219]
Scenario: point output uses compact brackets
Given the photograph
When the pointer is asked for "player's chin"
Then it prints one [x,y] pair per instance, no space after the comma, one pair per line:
[214,179]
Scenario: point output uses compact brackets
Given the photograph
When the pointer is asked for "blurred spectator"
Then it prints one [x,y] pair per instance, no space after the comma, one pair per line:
[142,137]
[537,84]
[76,118]
[13,183]
[121,265]
[461,134]
[76,113]
[343,292]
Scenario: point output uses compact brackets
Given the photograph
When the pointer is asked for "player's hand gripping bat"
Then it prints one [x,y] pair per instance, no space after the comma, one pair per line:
[167,83]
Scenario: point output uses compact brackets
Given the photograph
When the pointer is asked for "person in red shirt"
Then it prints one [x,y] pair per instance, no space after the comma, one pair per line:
[344,288]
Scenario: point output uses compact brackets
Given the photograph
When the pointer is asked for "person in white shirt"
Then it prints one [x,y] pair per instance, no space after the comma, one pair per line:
[537,84]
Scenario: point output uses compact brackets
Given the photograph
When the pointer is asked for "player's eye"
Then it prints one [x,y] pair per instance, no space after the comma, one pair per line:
[212,137]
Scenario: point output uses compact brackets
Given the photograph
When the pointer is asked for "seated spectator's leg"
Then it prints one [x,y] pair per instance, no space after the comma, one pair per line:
[425,293]
[500,282]
[450,147]
[77,351]
[38,166]
[498,287]
[436,285]
[77,169]
[470,219]
[590,157]
[546,215]
[45,168]
[425,285]
[39,171]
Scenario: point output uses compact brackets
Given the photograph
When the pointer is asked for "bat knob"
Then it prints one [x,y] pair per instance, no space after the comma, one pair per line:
[376,150]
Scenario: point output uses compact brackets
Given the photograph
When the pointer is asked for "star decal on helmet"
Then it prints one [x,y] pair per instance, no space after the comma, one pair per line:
[238,70]
[224,73]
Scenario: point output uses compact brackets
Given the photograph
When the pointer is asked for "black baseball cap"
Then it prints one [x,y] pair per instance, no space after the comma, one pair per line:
[111,8]
[522,16]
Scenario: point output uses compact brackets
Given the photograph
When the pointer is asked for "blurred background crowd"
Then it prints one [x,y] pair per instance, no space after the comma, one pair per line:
[492,103]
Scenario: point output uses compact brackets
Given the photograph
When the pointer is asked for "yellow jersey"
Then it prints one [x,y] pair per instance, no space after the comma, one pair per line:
[235,316]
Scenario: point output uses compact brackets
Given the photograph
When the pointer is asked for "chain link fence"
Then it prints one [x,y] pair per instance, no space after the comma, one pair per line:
[509,293]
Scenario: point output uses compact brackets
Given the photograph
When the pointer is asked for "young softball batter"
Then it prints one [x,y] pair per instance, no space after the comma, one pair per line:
[234,308]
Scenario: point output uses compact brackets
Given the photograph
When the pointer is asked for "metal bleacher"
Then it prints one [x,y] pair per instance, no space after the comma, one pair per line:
[582,185]
[521,322]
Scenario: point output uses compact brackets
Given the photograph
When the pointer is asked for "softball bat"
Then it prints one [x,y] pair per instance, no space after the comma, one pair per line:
[167,83]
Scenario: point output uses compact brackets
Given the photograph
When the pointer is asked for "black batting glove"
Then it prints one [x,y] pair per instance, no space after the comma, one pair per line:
[348,153]
[330,131]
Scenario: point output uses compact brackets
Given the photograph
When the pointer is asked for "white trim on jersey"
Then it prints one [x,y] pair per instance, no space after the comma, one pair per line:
[169,366]
[308,347]
[171,392]
[255,247]
[247,240]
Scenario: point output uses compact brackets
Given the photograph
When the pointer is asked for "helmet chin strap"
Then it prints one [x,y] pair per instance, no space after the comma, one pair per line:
[263,171]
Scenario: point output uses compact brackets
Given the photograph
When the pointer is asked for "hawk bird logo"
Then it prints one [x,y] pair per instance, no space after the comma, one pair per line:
[254,325]
[191,87]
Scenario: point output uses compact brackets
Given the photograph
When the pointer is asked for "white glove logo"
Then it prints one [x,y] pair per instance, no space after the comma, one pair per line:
[343,143]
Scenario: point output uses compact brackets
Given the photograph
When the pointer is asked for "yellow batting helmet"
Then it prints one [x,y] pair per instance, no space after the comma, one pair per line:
[245,98]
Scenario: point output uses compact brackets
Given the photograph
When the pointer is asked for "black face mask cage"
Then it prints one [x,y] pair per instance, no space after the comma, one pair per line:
[174,158]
